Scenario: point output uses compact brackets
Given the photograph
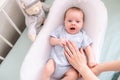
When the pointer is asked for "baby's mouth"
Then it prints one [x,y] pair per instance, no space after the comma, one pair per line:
[72,28]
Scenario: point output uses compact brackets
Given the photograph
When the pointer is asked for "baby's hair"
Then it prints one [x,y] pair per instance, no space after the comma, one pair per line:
[75,8]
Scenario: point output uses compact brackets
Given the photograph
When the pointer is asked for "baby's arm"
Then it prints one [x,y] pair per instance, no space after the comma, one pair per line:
[90,56]
[55,41]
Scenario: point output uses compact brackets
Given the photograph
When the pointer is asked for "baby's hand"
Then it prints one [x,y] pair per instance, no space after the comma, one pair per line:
[62,42]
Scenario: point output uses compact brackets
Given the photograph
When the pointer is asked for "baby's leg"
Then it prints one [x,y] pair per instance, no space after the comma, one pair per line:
[71,74]
[48,70]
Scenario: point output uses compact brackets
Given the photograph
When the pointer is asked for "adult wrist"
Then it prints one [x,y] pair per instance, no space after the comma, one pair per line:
[86,73]
[82,68]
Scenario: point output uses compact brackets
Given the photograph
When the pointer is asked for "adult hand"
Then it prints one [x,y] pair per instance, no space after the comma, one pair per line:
[78,60]
[75,57]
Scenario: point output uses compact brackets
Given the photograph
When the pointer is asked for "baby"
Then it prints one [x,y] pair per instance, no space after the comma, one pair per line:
[57,66]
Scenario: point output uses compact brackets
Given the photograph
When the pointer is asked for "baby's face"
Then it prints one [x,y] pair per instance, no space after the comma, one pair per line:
[73,21]
[34,9]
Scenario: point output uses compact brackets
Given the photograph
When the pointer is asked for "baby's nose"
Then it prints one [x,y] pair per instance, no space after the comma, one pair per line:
[73,23]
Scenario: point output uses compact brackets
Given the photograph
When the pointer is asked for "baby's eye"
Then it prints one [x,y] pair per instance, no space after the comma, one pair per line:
[78,21]
[69,20]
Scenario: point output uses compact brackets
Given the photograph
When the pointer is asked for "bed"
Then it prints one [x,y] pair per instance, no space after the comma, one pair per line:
[95,26]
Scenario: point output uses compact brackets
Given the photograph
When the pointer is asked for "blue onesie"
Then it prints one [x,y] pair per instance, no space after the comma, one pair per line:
[81,39]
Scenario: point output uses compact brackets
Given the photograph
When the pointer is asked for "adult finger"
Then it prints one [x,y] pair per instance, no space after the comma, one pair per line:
[67,55]
[81,51]
[68,51]
[72,47]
